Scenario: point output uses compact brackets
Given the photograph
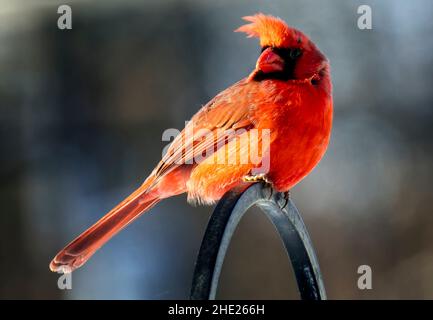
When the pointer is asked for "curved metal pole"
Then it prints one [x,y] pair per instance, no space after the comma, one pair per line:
[289,224]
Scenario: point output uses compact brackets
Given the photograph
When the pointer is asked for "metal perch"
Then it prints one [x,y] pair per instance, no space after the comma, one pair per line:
[291,229]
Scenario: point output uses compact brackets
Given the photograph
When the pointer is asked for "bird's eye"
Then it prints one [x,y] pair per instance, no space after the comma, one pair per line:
[295,53]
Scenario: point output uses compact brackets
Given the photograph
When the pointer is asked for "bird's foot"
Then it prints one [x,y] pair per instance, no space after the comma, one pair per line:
[286,198]
[260,178]
[257,178]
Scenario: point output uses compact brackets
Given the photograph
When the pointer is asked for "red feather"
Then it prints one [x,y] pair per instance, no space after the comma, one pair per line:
[297,112]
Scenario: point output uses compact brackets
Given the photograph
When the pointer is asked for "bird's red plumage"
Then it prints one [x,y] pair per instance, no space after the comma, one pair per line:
[296,111]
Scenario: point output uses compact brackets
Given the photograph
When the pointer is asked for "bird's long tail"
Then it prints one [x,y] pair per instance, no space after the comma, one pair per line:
[75,254]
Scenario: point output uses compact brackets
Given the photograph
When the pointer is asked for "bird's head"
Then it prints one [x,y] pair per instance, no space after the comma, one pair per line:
[287,53]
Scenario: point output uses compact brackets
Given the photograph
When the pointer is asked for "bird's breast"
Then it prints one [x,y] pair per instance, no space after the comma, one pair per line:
[300,136]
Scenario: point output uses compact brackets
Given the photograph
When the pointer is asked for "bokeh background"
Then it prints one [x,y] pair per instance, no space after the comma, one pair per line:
[82,113]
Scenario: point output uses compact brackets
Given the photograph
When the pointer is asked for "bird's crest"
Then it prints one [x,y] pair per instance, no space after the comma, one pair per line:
[270,30]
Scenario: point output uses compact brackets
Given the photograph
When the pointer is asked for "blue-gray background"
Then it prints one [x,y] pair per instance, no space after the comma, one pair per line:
[81,118]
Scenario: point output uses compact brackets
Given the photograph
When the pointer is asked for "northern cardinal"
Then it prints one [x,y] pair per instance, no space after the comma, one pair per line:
[288,93]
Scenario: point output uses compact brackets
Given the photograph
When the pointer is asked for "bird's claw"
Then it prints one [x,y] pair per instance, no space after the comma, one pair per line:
[271,191]
[286,198]
[260,178]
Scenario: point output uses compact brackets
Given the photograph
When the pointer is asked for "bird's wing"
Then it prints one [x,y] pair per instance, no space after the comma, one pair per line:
[228,111]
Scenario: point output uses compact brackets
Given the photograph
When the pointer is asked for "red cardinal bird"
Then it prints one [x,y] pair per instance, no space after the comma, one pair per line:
[288,94]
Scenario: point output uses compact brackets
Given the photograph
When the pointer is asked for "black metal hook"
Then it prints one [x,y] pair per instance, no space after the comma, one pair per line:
[289,224]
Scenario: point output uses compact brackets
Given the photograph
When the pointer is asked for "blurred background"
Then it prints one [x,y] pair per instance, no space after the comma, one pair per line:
[82,113]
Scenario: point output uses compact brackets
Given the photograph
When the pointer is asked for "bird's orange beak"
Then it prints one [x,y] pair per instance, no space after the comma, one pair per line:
[269,61]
